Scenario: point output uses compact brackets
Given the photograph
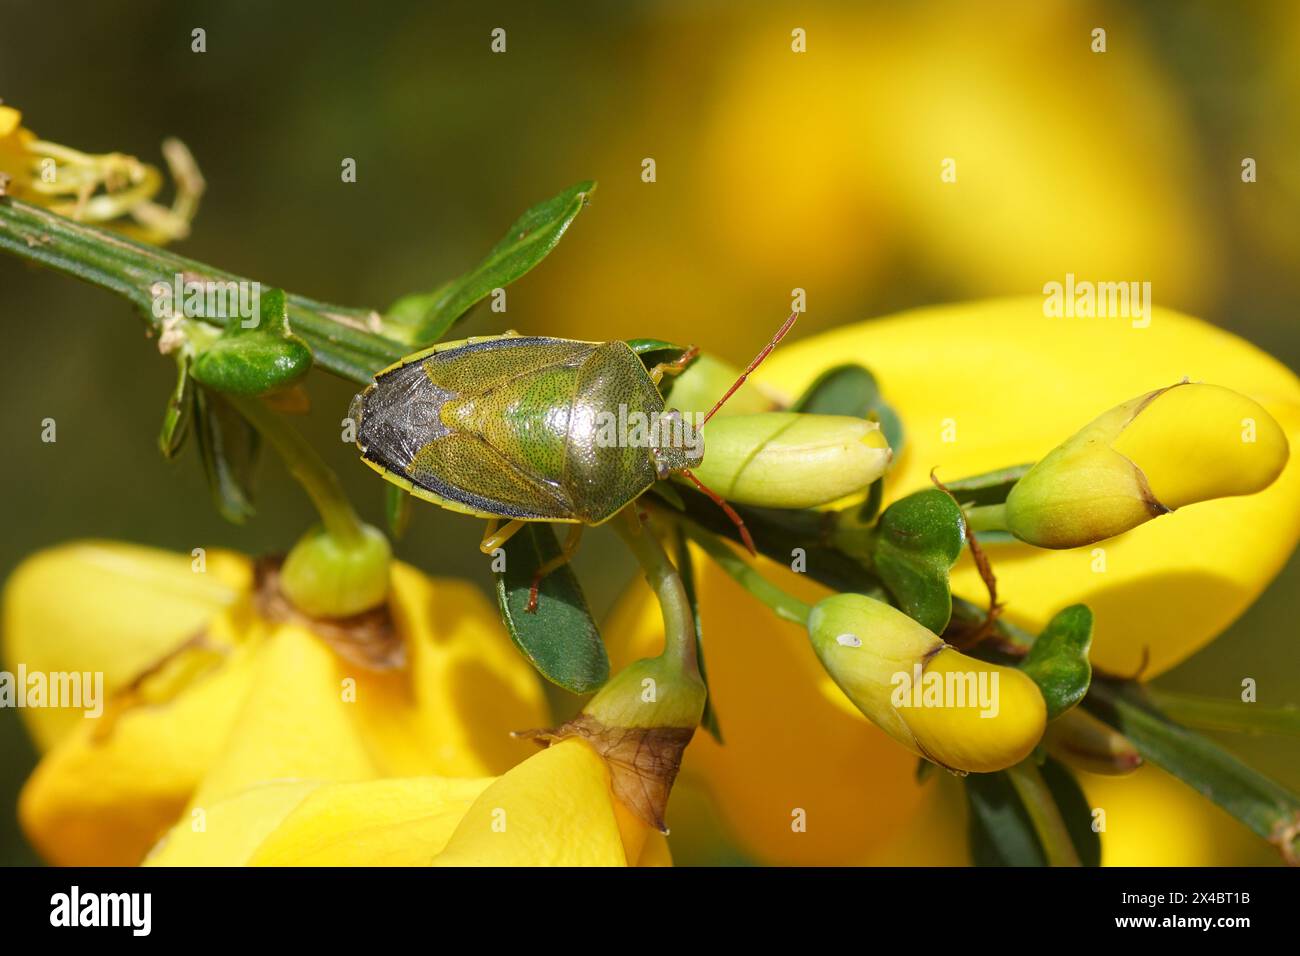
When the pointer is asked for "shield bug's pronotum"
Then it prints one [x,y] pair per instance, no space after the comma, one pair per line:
[531,428]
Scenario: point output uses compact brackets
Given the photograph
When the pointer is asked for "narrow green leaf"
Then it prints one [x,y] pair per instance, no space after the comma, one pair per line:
[397,510]
[1058,661]
[561,639]
[228,448]
[1264,805]
[1229,714]
[915,543]
[425,318]
[852,390]
[686,568]
[179,411]
[998,826]
[1000,829]
[1075,810]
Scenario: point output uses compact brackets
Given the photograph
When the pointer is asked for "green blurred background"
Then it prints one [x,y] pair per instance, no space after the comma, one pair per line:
[774,170]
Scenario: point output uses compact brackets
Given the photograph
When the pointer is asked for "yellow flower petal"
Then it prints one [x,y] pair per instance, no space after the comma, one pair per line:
[400,822]
[106,793]
[471,686]
[10,120]
[554,809]
[78,607]
[229,831]
[1154,819]
[971,737]
[295,724]
[655,852]
[1005,384]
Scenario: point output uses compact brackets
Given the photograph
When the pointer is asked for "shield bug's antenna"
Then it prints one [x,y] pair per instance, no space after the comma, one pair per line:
[721,502]
[705,489]
[758,360]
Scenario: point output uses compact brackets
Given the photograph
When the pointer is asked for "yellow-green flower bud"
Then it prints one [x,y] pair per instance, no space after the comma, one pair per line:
[707,378]
[964,714]
[1083,741]
[654,692]
[640,722]
[323,576]
[1171,447]
[790,460]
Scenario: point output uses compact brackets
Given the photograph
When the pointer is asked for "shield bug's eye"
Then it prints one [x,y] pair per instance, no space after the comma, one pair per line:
[663,467]
[421,414]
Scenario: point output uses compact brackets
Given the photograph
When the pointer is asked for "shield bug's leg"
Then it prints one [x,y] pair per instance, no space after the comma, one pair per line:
[675,367]
[493,539]
[730,512]
[559,561]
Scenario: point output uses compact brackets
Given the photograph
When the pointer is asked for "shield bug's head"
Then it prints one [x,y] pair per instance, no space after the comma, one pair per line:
[669,464]
[679,444]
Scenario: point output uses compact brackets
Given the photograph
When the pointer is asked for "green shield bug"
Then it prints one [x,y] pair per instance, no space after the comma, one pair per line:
[531,428]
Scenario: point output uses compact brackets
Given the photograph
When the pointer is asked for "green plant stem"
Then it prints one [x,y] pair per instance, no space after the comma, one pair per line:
[1207,713]
[1268,808]
[666,582]
[307,467]
[1043,814]
[987,518]
[785,605]
[348,342]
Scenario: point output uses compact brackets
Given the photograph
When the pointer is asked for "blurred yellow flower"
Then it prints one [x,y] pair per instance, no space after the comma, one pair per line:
[99,188]
[209,698]
[825,170]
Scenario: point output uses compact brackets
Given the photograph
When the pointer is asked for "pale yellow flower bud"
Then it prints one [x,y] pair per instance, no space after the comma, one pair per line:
[791,460]
[1157,452]
[326,577]
[964,714]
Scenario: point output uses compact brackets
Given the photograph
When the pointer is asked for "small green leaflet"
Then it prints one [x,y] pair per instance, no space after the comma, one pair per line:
[425,318]
[561,639]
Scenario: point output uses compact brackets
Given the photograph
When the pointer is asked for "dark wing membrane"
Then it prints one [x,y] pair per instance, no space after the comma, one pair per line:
[498,486]
[399,415]
[480,367]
